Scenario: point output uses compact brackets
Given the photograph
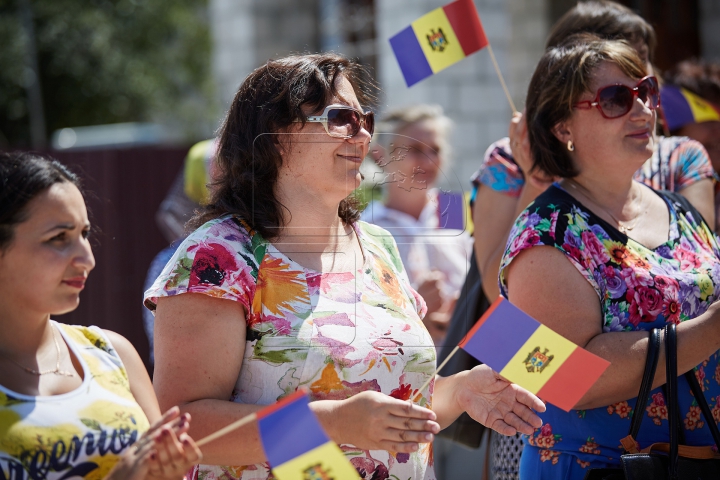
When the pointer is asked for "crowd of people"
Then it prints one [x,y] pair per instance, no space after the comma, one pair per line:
[596,215]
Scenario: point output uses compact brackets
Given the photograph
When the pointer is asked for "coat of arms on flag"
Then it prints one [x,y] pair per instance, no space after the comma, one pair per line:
[437,40]
[536,361]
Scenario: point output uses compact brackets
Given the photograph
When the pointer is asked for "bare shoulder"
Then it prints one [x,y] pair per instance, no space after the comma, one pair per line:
[127,352]
[544,283]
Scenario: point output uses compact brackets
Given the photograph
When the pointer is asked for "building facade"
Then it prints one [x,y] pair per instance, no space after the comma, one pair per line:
[249,32]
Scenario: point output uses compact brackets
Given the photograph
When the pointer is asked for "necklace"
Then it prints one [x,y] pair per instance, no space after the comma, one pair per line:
[55,370]
[623,227]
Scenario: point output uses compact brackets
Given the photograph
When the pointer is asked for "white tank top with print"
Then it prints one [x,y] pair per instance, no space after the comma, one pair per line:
[77,434]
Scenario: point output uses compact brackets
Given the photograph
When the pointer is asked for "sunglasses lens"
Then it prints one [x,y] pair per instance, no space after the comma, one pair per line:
[649,92]
[343,122]
[370,122]
[616,100]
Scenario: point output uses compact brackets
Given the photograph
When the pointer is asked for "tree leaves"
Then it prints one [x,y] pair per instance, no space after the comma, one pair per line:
[109,61]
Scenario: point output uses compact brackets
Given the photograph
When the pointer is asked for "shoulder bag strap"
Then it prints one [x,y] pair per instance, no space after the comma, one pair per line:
[700,399]
[672,400]
[653,353]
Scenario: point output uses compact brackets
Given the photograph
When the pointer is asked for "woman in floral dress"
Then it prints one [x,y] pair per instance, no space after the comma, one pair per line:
[282,287]
[601,258]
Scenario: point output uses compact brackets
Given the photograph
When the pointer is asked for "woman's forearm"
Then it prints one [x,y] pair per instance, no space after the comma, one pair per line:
[697,340]
[445,401]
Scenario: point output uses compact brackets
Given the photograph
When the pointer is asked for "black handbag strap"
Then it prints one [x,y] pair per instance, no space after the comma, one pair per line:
[653,353]
[672,400]
[700,399]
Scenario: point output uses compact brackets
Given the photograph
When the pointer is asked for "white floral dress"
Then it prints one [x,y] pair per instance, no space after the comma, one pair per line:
[338,334]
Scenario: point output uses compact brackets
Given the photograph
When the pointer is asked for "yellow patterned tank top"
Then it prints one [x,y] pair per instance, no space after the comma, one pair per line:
[81,433]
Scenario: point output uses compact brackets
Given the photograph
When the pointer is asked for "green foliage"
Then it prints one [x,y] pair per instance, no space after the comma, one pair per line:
[108,61]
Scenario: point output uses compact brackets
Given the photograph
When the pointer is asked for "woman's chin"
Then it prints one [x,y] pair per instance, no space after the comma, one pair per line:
[66,305]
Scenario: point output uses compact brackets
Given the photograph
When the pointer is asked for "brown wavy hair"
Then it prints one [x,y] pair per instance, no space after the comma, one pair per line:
[563,74]
[607,20]
[269,101]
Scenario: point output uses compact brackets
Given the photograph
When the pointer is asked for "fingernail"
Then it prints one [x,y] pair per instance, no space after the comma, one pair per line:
[428,437]
[414,447]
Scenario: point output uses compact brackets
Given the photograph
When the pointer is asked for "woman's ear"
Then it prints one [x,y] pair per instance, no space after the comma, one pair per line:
[561,130]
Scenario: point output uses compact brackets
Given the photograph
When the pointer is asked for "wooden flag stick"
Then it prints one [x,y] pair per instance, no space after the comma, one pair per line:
[437,370]
[225,430]
[500,76]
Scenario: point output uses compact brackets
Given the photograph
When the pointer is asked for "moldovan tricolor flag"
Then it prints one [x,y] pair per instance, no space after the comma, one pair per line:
[295,444]
[682,107]
[528,353]
[438,39]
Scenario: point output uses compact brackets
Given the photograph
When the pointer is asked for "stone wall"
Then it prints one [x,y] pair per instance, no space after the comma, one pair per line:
[247,33]
[469,91]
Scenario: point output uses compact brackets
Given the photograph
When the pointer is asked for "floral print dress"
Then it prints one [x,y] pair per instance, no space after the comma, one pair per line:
[337,334]
[639,289]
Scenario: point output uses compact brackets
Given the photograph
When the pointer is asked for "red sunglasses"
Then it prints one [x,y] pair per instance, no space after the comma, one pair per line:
[614,101]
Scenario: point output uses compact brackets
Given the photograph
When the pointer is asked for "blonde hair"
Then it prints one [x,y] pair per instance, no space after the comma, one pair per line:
[395,121]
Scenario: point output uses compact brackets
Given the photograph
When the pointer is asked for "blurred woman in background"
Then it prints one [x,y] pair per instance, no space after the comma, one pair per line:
[412,155]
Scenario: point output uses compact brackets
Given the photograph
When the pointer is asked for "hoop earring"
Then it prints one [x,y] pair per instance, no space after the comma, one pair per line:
[570,146]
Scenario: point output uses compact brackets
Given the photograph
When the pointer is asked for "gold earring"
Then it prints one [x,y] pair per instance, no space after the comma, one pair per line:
[570,146]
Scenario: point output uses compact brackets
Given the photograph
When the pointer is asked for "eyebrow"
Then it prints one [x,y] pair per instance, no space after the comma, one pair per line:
[65,226]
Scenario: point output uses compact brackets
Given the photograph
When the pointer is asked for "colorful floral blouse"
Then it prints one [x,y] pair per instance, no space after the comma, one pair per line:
[639,289]
[338,334]
[79,434]
[678,162]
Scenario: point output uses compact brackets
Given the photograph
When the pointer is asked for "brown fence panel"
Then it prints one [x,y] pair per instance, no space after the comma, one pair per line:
[125,188]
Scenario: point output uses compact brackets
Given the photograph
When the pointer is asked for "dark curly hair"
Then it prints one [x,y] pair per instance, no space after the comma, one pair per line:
[270,100]
[24,176]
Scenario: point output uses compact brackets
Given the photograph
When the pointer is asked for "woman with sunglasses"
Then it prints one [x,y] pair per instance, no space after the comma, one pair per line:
[281,287]
[574,263]
[505,184]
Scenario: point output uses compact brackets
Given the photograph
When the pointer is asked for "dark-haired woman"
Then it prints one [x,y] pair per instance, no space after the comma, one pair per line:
[282,287]
[601,258]
[74,401]
[506,182]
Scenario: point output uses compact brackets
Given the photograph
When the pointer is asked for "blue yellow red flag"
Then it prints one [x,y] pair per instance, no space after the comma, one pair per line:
[296,445]
[528,353]
[438,39]
[682,107]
